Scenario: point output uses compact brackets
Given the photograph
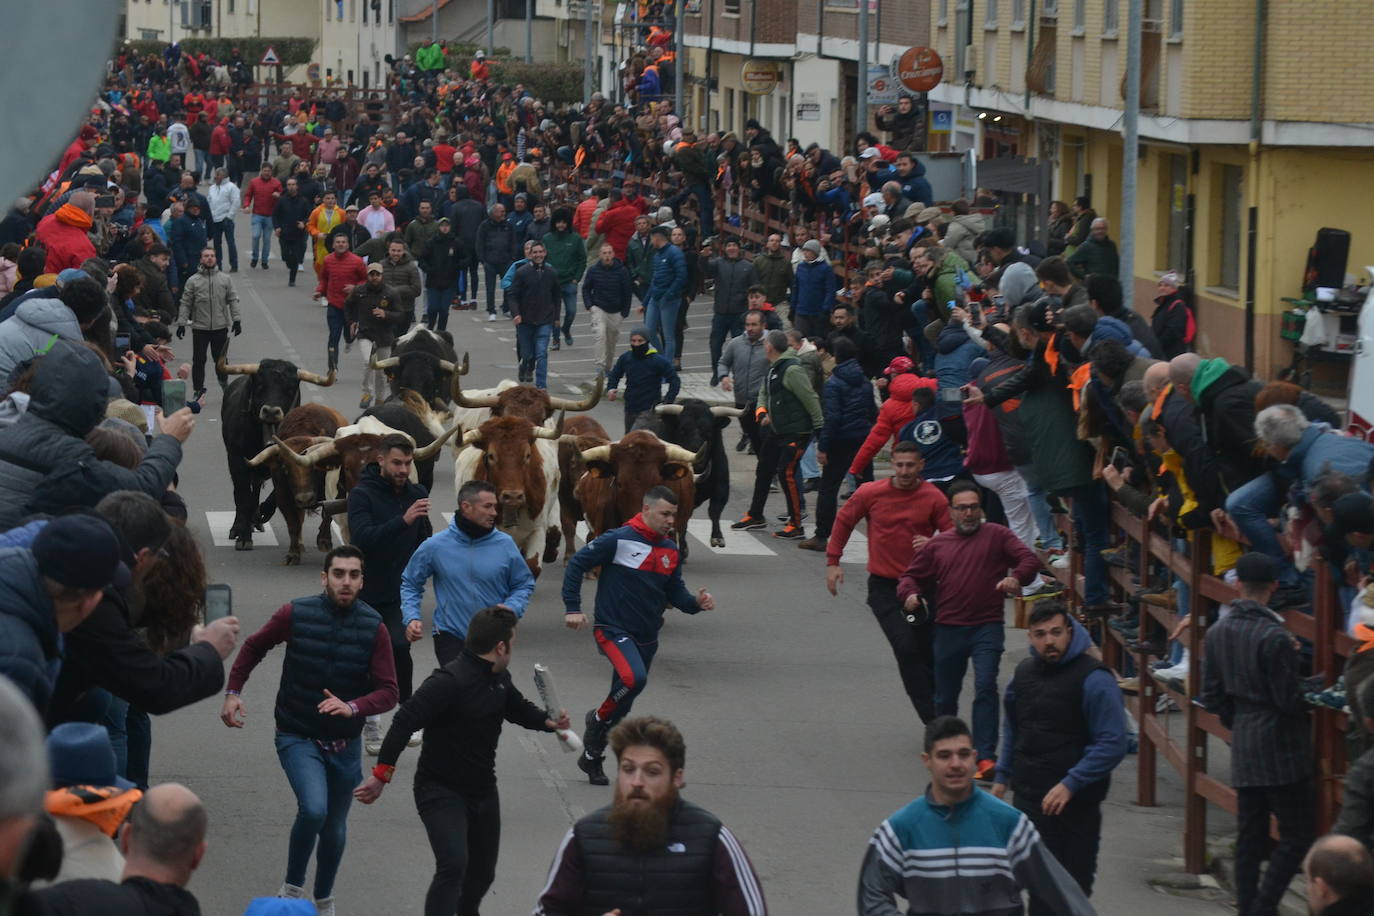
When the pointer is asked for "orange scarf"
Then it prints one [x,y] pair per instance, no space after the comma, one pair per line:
[104,806]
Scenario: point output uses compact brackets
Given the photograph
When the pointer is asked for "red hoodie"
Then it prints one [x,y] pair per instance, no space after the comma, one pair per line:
[617,226]
[895,413]
[63,234]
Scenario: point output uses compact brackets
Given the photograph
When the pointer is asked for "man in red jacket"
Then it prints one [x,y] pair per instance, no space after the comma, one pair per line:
[261,198]
[617,224]
[64,233]
[967,571]
[903,513]
[219,144]
[340,271]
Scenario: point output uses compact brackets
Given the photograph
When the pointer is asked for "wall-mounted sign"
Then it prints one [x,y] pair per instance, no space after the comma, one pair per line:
[920,69]
[759,77]
[882,88]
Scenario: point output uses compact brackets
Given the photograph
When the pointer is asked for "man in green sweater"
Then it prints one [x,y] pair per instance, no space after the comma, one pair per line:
[789,412]
[567,256]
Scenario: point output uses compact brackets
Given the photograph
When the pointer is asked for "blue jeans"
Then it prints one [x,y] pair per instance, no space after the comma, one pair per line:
[1251,507]
[1050,537]
[262,238]
[337,328]
[1090,516]
[954,646]
[660,317]
[436,307]
[810,467]
[323,783]
[569,308]
[532,340]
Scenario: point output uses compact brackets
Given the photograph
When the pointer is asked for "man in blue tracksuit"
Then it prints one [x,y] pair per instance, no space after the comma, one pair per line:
[664,299]
[813,292]
[640,573]
[473,565]
[645,371]
[956,849]
[1065,732]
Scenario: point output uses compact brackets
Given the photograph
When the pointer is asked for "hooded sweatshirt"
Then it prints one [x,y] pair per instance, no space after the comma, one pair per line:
[644,375]
[37,324]
[473,573]
[1101,709]
[63,234]
[895,413]
[1108,328]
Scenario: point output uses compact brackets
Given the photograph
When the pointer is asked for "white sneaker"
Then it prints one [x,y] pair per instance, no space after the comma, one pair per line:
[372,735]
[1179,672]
[416,739]
[325,906]
[291,890]
[491,316]
[1060,560]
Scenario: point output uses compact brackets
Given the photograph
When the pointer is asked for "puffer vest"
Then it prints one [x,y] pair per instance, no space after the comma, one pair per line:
[675,881]
[1051,730]
[329,650]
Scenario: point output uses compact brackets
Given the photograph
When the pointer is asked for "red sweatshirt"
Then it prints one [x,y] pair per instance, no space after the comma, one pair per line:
[277,630]
[262,196]
[338,272]
[894,518]
[895,413]
[966,570]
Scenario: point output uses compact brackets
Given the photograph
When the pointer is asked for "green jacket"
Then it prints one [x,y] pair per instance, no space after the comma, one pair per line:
[793,407]
[1094,257]
[419,234]
[639,258]
[567,255]
[946,286]
[775,276]
[159,149]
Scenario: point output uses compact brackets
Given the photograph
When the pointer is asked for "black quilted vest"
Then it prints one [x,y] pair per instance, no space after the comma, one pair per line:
[329,650]
[1051,730]
[675,881]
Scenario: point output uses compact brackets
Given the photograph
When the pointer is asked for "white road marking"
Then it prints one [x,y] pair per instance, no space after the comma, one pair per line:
[272,323]
[219,524]
[737,543]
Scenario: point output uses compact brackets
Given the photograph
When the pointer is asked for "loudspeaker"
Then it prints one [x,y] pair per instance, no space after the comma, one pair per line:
[1326,259]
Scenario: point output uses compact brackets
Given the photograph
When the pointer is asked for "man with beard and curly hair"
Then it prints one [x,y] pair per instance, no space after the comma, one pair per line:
[696,864]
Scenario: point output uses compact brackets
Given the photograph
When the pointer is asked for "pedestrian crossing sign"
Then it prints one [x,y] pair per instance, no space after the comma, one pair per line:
[269,57]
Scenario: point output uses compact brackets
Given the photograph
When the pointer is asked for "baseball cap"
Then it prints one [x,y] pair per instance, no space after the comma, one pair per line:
[1257,568]
[873,200]
[870,153]
[899,364]
[374,268]
[353,207]
[80,551]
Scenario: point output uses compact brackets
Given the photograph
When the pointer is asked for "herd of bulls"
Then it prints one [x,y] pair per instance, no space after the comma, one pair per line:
[549,471]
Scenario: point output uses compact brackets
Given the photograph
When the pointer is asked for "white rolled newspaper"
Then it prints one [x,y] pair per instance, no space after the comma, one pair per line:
[543,680]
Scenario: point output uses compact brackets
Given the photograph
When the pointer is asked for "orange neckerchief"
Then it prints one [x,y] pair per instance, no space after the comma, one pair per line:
[1052,355]
[1365,635]
[1080,378]
[1159,401]
[104,806]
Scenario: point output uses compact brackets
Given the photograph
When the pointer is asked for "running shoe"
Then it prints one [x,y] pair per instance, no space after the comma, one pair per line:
[491,316]
[987,769]
[372,735]
[1045,589]
[416,739]
[784,517]
[749,523]
[790,532]
[815,543]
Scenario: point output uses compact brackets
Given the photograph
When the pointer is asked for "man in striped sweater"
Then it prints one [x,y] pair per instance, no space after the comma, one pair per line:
[959,850]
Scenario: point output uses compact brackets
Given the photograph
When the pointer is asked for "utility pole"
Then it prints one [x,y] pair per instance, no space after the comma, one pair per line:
[434,21]
[529,31]
[1130,151]
[491,25]
[861,108]
[680,63]
[589,65]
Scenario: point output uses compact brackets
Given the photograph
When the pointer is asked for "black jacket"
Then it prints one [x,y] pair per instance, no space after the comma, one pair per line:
[106,651]
[496,243]
[134,897]
[1226,412]
[45,463]
[535,295]
[28,627]
[608,288]
[461,707]
[376,527]
[442,258]
[1199,459]
[466,215]
[290,211]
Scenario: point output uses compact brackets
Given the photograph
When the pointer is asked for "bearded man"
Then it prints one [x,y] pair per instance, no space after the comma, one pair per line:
[694,862]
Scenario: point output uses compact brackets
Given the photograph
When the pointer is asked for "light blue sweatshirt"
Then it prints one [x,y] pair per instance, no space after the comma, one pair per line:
[468,576]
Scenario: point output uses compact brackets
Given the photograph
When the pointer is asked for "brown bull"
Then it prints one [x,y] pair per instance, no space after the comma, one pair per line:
[296,491]
[611,492]
[534,404]
[300,465]
[579,434]
[520,460]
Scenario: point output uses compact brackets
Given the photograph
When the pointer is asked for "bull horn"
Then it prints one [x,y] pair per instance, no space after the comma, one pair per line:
[543,432]
[586,403]
[445,365]
[314,378]
[375,365]
[471,436]
[291,455]
[317,453]
[678,453]
[426,452]
[727,411]
[668,410]
[463,400]
[225,368]
[597,453]
[264,455]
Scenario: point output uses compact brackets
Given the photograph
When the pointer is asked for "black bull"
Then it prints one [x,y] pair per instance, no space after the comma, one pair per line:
[693,424]
[254,404]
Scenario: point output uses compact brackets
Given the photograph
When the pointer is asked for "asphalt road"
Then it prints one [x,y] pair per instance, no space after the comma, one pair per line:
[798,732]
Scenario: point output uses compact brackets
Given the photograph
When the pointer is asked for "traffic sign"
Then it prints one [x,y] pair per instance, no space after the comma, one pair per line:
[270,58]
[920,69]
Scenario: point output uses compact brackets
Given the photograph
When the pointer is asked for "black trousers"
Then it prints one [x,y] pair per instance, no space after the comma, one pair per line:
[214,341]
[400,646]
[1292,807]
[447,647]
[292,254]
[465,836]
[913,647]
[837,462]
[1073,836]
[750,426]
[780,456]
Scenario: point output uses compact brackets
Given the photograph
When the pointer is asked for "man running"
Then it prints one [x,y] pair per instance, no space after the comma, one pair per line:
[338,670]
[462,707]
[640,573]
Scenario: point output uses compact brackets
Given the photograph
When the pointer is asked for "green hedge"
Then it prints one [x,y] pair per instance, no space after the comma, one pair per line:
[292,51]
[552,83]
